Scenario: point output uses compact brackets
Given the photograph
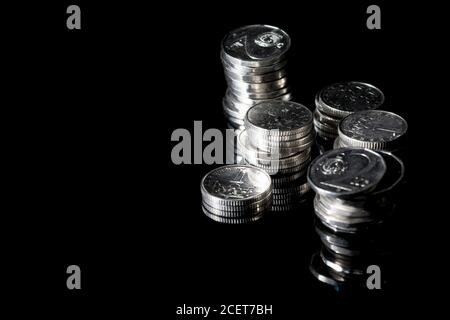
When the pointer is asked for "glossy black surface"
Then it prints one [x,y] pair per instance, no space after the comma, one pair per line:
[95,113]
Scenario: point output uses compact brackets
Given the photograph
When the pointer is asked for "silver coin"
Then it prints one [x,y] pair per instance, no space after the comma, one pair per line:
[394,174]
[243,70]
[342,225]
[325,119]
[251,102]
[325,134]
[269,95]
[340,208]
[261,78]
[244,103]
[372,129]
[283,149]
[231,111]
[271,170]
[325,127]
[233,212]
[247,148]
[279,118]
[256,45]
[275,85]
[235,185]
[346,172]
[251,150]
[276,142]
[278,164]
[343,98]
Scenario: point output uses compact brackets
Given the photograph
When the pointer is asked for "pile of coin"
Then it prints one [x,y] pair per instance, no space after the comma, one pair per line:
[254,63]
[372,129]
[355,190]
[339,100]
[236,194]
[278,137]
[353,187]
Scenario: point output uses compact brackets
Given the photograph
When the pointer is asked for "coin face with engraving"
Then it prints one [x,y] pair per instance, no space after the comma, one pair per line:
[255,45]
[373,129]
[346,172]
[286,117]
[235,184]
[343,98]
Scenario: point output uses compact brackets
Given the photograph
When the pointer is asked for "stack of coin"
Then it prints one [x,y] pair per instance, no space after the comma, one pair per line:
[236,194]
[278,139]
[254,62]
[372,129]
[353,187]
[339,100]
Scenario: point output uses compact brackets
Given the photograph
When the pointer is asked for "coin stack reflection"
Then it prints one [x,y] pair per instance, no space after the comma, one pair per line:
[343,258]
[339,100]
[277,138]
[355,189]
[254,63]
[236,194]
[372,129]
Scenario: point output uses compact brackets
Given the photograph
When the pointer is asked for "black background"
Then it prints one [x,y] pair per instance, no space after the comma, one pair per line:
[93,181]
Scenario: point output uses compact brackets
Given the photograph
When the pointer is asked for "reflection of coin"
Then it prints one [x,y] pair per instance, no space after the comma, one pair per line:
[346,172]
[228,220]
[344,98]
[255,45]
[320,271]
[373,129]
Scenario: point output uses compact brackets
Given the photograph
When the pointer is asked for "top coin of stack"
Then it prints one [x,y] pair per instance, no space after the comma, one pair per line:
[236,194]
[342,180]
[372,129]
[277,137]
[339,100]
[254,61]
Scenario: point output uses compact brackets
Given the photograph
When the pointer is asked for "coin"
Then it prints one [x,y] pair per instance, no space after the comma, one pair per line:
[239,212]
[325,119]
[255,45]
[235,185]
[279,118]
[346,172]
[239,69]
[259,88]
[372,129]
[231,75]
[343,98]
